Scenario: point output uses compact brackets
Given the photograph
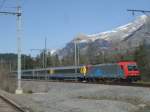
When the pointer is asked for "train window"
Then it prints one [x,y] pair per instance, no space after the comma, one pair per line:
[66,71]
[132,68]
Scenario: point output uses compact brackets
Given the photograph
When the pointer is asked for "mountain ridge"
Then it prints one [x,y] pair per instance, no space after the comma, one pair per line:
[127,36]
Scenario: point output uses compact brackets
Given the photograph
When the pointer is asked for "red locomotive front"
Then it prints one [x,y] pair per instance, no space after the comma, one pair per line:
[130,70]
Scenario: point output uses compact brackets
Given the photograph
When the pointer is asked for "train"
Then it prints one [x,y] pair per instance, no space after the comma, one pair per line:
[121,71]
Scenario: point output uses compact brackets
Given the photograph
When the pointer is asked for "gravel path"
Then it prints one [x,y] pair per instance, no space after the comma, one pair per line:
[74,97]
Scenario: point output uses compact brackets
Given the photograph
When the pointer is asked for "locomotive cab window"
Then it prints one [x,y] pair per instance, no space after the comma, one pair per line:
[132,68]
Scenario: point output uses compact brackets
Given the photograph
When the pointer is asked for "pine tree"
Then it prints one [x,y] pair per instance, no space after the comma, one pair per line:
[142,58]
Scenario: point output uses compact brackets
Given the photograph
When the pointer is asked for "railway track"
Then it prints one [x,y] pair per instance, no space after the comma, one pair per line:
[7,105]
[135,84]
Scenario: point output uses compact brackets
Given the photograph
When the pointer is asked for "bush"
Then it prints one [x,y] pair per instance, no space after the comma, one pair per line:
[6,83]
[30,91]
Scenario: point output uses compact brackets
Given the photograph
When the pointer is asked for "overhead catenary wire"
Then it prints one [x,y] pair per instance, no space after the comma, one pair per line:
[139,11]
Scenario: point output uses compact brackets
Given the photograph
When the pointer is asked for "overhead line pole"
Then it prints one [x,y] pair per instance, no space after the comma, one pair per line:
[18,15]
[19,89]
[78,47]
[44,53]
[75,55]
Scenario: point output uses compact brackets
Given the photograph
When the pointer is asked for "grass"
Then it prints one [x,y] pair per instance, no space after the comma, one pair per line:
[6,83]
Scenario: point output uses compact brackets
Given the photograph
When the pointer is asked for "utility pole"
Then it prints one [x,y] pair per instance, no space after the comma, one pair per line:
[19,89]
[75,55]
[44,60]
[45,53]
[18,15]
[78,47]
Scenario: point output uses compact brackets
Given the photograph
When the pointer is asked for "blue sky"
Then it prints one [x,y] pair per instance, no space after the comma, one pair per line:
[61,20]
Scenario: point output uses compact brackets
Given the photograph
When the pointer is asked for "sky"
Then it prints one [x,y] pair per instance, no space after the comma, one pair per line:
[62,20]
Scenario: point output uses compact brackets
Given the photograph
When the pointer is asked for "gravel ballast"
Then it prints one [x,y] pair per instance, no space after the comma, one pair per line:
[77,97]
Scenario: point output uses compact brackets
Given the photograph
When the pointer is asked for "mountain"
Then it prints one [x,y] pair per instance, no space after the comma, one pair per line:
[124,37]
[121,32]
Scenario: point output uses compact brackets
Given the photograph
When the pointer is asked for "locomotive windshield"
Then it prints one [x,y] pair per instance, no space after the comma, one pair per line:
[132,67]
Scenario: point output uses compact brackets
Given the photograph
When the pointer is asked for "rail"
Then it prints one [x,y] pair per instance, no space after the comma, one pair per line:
[11,104]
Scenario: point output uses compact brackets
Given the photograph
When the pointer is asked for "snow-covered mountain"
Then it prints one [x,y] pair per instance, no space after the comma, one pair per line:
[118,33]
[124,37]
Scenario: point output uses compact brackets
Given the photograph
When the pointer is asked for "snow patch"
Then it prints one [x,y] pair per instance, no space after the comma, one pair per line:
[122,31]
